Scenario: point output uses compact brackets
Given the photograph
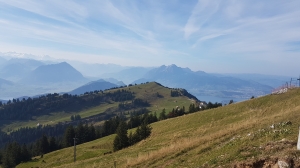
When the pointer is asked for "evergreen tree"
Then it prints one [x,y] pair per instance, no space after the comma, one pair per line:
[7,161]
[25,155]
[162,115]
[121,140]
[12,155]
[52,144]
[68,136]
[144,131]
[43,146]
[130,139]
[72,118]
[80,133]
[92,133]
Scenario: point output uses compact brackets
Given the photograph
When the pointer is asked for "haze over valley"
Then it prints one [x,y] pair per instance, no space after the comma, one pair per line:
[159,83]
[28,77]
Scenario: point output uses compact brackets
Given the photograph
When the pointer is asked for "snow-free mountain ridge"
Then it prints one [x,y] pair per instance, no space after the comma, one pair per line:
[53,73]
[92,86]
[201,83]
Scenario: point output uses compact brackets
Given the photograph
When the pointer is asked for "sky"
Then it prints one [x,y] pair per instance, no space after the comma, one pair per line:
[223,36]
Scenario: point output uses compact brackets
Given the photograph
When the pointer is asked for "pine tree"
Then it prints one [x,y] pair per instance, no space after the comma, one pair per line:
[162,115]
[145,131]
[130,139]
[92,133]
[68,136]
[43,145]
[25,155]
[52,144]
[12,155]
[80,133]
[72,118]
[121,140]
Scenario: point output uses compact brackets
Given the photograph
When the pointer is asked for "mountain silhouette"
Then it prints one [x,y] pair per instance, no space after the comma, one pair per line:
[92,86]
[201,83]
[54,73]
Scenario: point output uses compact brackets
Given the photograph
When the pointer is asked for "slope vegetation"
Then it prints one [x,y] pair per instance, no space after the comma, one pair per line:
[254,133]
[92,106]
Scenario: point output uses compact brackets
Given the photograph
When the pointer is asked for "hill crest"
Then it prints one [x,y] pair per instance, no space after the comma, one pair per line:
[257,131]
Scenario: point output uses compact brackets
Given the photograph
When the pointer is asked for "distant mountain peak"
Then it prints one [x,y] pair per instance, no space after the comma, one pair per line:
[92,86]
[173,68]
[54,73]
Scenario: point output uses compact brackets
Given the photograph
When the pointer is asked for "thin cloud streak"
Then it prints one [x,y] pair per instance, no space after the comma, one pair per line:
[157,32]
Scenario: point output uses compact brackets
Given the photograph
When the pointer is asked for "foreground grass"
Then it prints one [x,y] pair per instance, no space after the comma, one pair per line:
[210,138]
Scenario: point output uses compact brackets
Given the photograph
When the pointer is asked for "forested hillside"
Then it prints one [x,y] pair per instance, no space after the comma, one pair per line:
[261,132]
[88,116]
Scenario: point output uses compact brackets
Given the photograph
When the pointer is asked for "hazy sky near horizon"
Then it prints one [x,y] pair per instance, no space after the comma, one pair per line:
[225,36]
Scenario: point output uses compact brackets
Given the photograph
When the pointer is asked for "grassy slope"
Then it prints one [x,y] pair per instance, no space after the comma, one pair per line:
[214,137]
[144,91]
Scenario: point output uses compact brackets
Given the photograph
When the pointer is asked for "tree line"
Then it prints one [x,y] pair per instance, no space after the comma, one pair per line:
[82,132]
[179,111]
[26,108]
[123,140]
[176,92]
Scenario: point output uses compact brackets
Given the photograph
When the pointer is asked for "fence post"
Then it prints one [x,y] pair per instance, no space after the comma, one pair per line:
[298,144]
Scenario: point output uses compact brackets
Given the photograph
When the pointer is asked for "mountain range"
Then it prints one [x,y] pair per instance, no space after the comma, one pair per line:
[128,75]
[200,83]
[27,77]
[38,78]
[270,80]
[16,68]
[96,70]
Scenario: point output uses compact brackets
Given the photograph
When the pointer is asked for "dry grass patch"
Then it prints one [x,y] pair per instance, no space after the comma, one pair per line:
[218,137]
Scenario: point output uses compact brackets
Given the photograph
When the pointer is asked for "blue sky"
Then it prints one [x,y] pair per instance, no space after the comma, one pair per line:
[225,36]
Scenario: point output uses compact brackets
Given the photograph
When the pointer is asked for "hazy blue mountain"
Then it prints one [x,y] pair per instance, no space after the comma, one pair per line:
[271,80]
[53,73]
[142,80]
[96,70]
[92,86]
[115,81]
[31,63]
[16,68]
[203,84]
[2,62]
[4,82]
[128,75]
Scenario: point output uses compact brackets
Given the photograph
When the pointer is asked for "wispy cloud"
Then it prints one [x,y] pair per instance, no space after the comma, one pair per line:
[201,13]
[155,32]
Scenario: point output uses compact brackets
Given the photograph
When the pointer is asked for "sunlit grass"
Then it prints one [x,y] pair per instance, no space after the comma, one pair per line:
[205,139]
